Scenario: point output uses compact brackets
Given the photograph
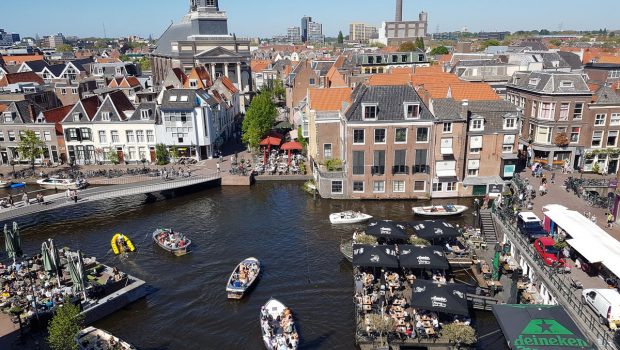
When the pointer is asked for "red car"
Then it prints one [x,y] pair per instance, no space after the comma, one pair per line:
[551,255]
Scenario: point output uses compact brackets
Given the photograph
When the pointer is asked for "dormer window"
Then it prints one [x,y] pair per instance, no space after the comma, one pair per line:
[77,117]
[477,124]
[105,116]
[184,98]
[370,111]
[510,123]
[567,84]
[193,83]
[145,114]
[173,98]
[534,81]
[412,111]
[8,117]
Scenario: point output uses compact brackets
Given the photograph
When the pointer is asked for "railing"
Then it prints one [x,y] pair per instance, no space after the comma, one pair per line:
[400,170]
[425,169]
[359,170]
[377,170]
[559,287]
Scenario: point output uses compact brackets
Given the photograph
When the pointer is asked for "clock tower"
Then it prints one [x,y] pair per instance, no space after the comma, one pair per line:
[203,6]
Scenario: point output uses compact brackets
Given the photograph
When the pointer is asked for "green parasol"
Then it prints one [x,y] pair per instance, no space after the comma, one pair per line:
[12,242]
[496,267]
[76,271]
[47,258]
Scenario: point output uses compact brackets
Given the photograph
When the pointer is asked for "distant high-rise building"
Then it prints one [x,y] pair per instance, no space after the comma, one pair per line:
[293,34]
[362,32]
[315,33]
[8,39]
[305,21]
[53,41]
[399,31]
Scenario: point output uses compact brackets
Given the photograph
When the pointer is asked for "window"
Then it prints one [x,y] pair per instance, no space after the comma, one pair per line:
[574,134]
[543,134]
[337,187]
[1,135]
[370,111]
[327,151]
[438,187]
[451,186]
[150,136]
[422,135]
[578,112]
[547,110]
[358,136]
[63,91]
[131,151]
[507,148]
[358,186]
[85,132]
[564,108]
[358,163]
[12,135]
[77,117]
[401,135]
[379,135]
[566,83]
[612,138]
[477,124]
[130,136]
[142,153]
[140,136]
[510,123]
[378,186]
[105,116]
[378,163]
[447,128]
[145,114]
[400,162]
[312,81]
[74,91]
[47,136]
[419,186]
[193,83]
[184,98]
[599,120]
[614,74]
[102,137]
[115,137]
[404,58]
[533,81]
[412,111]
[173,98]
[72,134]
[615,119]
[475,144]
[534,109]
[8,117]
[597,136]
[398,186]
[473,172]
[421,161]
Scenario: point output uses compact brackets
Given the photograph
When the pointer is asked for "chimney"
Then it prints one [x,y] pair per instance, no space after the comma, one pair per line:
[399,10]
[464,109]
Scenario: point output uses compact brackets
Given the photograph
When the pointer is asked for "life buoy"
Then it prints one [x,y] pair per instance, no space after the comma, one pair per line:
[114,243]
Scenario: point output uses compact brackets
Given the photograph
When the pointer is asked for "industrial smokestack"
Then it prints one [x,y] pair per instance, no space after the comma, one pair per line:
[399,10]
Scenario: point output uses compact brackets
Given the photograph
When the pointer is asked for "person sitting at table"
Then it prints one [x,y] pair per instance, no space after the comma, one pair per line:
[435,322]
[409,330]
[531,287]
[406,316]
[419,324]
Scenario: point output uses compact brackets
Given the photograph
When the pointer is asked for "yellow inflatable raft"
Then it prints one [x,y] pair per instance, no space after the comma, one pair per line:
[126,246]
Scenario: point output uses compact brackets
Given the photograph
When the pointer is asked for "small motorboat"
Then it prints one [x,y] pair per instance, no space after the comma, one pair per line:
[276,334]
[93,338]
[5,183]
[349,217]
[121,244]
[440,210]
[171,241]
[17,185]
[346,248]
[243,278]
[54,183]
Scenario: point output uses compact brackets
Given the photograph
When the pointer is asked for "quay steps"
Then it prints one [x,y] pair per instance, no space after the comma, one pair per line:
[487,227]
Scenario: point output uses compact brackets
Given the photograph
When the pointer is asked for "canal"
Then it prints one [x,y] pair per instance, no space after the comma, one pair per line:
[277,223]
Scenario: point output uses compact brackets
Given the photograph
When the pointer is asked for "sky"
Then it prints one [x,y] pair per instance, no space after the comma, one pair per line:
[254,18]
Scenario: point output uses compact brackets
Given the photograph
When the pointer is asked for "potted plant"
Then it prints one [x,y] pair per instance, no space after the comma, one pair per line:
[561,140]
[366,239]
[383,325]
[459,334]
[415,240]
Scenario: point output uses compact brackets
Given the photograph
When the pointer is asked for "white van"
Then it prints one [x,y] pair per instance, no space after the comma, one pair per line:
[605,303]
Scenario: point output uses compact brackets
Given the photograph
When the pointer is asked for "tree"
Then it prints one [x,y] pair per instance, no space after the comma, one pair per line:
[113,157]
[407,46]
[174,152]
[487,43]
[64,48]
[419,44]
[30,146]
[259,119]
[366,239]
[382,324]
[276,89]
[561,140]
[301,138]
[555,42]
[161,154]
[145,64]
[64,327]
[440,50]
[340,37]
[459,334]
[124,58]
[415,240]
[544,32]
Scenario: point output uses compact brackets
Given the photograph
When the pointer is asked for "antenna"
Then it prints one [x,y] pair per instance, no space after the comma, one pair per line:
[105,35]
[437,29]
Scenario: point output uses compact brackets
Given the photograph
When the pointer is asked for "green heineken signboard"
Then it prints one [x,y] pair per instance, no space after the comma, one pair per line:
[539,327]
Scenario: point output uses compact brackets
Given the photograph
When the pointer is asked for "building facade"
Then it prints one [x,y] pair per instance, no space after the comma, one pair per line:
[293,34]
[362,32]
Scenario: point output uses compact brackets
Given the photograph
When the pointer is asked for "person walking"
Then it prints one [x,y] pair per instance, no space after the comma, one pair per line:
[610,220]
[218,168]
[25,199]
[75,196]
[11,201]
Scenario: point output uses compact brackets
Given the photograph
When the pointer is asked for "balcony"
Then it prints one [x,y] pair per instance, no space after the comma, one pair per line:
[424,169]
[377,170]
[400,170]
[359,170]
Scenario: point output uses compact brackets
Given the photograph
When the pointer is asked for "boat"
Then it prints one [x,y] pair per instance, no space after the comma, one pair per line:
[18,185]
[349,217]
[121,244]
[440,210]
[62,184]
[5,184]
[276,334]
[171,241]
[243,278]
[93,338]
[346,248]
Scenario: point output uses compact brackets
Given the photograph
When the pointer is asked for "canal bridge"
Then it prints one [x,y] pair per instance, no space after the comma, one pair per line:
[94,194]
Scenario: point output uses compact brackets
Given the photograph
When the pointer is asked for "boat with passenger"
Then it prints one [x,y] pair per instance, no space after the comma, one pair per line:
[171,241]
[349,217]
[55,183]
[440,210]
[92,338]
[278,326]
[243,278]
[121,244]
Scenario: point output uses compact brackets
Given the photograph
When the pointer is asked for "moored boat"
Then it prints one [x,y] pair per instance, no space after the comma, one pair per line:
[278,334]
[5,183]
[121,244]
[349,217]
[61,184]
[440,210]
[93,338]
[243,278]
[346,248]
[171,241]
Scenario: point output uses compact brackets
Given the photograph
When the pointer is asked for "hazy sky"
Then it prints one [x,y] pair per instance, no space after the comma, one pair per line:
[251,18]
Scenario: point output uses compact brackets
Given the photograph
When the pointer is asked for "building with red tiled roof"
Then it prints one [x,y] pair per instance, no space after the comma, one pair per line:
[17,60]
[328,100]
[198,78]
[16,78]
[259,65]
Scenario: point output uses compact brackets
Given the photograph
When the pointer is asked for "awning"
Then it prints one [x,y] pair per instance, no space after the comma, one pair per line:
[387,229]
[375,256]
[415,257]
[612,263]
[509,156]
[446,168]
[482,180]
[475,142]
[588,248]
[448,298]
[509,139]
[449,179]
[434,229]
[473,164]
[446,146]
[446,173]
[547,327]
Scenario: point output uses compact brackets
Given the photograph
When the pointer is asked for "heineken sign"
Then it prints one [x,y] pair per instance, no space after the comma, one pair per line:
[544,333]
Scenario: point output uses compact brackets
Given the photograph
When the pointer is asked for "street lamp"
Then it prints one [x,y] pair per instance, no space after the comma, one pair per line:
[13,165]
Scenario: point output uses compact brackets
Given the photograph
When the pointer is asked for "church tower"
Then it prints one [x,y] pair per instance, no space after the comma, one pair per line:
[204,6]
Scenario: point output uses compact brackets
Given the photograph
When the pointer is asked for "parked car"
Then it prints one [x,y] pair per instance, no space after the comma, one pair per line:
[530,225]
[605,303]
[551,255]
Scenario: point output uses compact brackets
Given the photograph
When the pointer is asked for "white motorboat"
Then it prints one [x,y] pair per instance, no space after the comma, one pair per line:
[5,183]
[61,184]
[278,334]
[349,217]
[93,338]
[440,210]
[243,278]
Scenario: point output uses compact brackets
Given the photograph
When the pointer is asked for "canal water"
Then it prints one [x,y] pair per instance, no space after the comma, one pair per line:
[278,223]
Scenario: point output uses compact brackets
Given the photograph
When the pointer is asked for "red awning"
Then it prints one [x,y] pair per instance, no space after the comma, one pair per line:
[292,146]
[271,141]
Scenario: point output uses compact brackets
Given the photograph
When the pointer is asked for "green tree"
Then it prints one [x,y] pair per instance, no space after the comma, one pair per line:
[276,89]
[419,43]
[64,48]
[407,46]
[161,154]
[259,119]
[555,42]
[174,152]
[340,38]
[64,327]
[440,50]
[30,146]
[301,138]
[124,58]
[487,43]
[145,64]
[113,157]
[459,334]
[544,32]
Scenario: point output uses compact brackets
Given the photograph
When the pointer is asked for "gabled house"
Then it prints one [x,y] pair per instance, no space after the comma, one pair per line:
[175,79]
[20,82]
[129,85]
[78,131]
[55,116]
[297,83]
[198,78]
